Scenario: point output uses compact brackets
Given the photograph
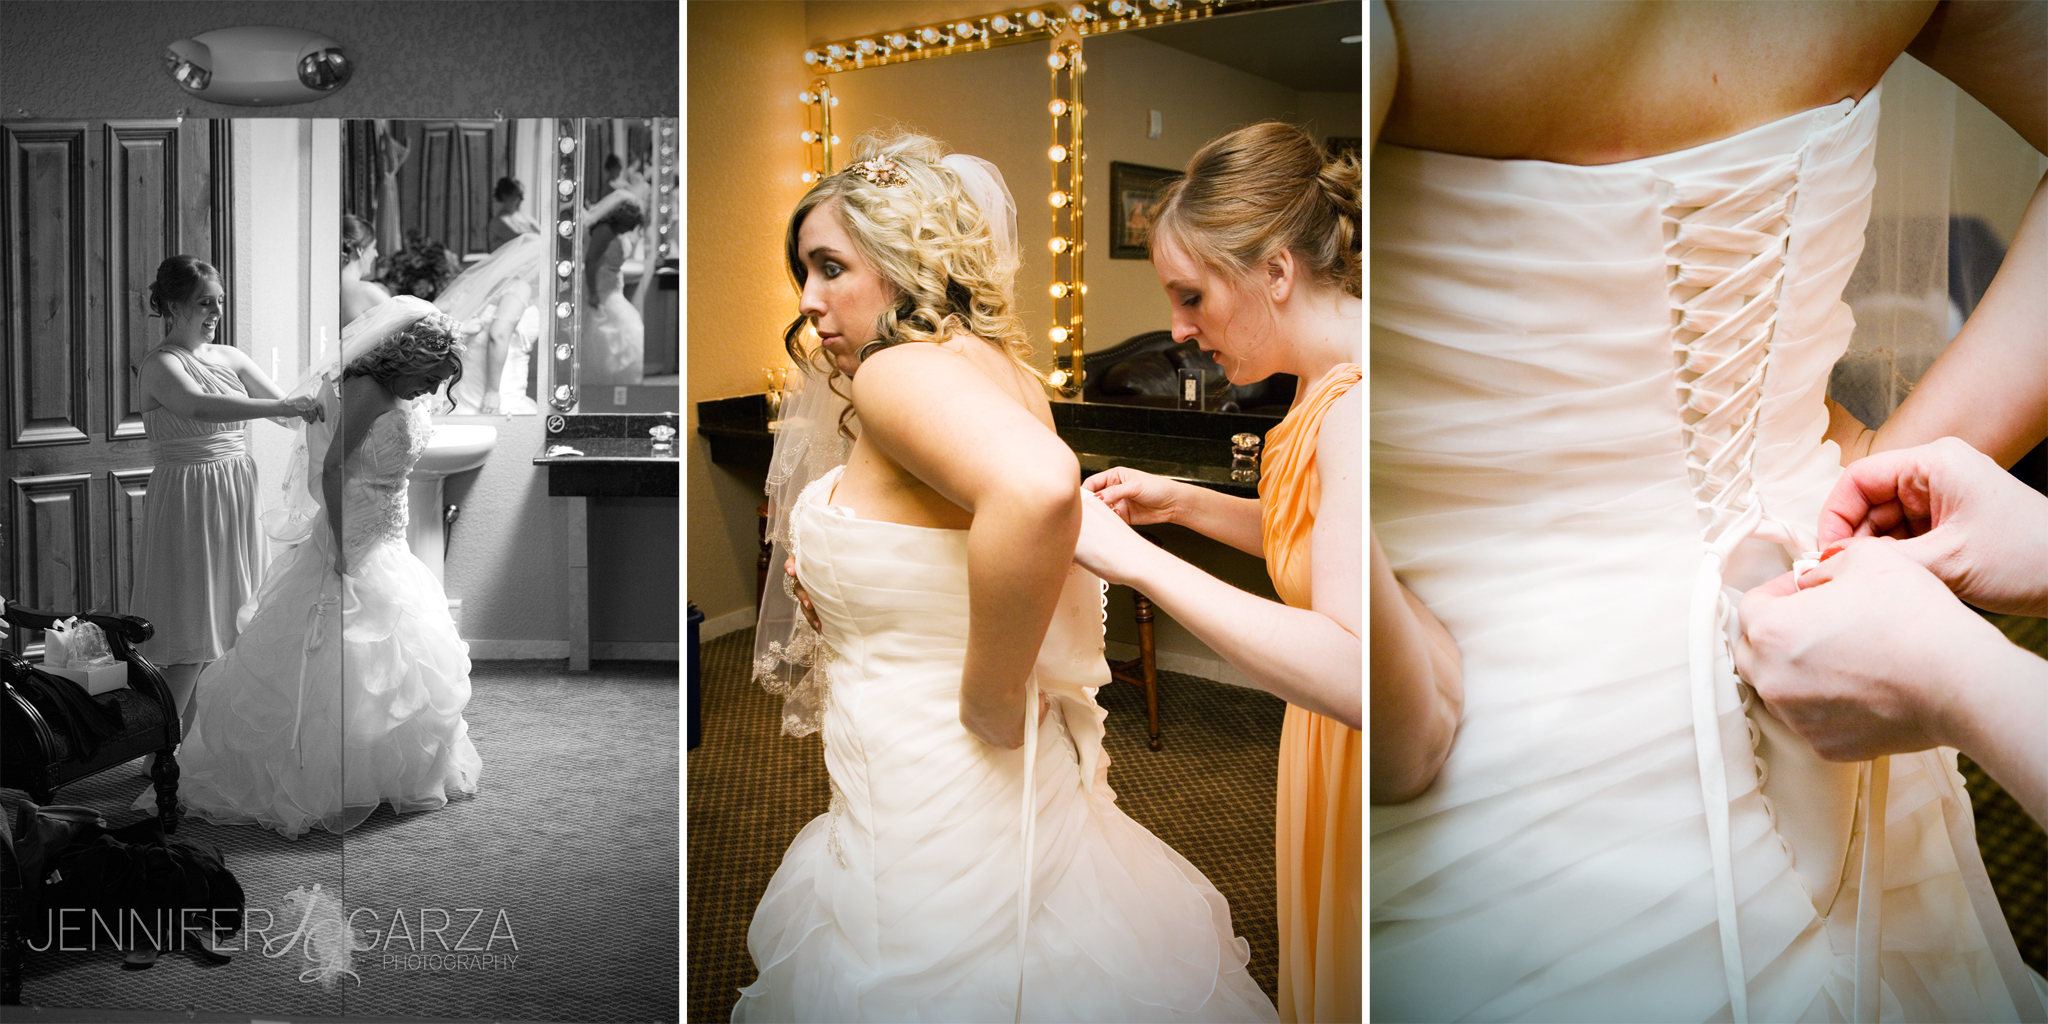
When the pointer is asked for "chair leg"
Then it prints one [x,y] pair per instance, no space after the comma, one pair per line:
[165,773]
[1148,660]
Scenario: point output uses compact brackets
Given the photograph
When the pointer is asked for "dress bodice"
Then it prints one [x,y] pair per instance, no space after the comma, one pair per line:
[373,490]
[174,439]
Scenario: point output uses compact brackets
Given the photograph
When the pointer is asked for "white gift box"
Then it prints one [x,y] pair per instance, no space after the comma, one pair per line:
[96,679]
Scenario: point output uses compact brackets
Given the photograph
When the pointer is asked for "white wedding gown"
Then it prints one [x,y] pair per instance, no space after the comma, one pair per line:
[901,902]
[341,692]
[1596,414]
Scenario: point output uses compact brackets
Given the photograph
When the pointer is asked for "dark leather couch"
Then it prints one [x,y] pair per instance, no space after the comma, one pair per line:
[1142,371]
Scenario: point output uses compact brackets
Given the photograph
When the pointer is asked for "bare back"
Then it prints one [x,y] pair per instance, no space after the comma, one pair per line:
[1598,83]
[875,487]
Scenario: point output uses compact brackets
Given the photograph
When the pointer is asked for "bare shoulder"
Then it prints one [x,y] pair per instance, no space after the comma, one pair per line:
[1600,83]
[1997,51]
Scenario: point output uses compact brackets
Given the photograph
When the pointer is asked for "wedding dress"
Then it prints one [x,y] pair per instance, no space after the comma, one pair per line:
[940,856]
[341,692]
[1596,417]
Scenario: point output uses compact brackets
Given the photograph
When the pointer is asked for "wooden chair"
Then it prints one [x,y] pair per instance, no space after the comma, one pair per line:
[40,759]
[1143,670]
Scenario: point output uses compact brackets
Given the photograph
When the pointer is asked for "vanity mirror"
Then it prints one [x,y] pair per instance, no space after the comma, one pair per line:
[554,238]
[1161,78]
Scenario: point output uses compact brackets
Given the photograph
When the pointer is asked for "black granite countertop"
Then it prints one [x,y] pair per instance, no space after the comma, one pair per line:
[1181,445]
[617,456]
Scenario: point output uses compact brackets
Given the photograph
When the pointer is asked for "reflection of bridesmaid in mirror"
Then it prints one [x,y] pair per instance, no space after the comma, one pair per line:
[510,221]
[358,262]
[612,330]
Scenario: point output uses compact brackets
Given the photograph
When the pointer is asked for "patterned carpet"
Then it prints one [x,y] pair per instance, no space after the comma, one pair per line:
[562,872]
[1208,794]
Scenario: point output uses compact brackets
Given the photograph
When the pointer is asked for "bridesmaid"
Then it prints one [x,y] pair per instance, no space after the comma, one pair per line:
[198,557]
[1258,248]
[358,261]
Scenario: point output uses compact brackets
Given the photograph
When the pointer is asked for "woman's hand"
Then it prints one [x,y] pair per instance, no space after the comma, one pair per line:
[1137,497]
[305,407]
[1108,547]
[803,597]
[489,403]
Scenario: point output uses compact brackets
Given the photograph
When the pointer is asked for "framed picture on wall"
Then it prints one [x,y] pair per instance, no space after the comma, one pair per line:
[1135,190]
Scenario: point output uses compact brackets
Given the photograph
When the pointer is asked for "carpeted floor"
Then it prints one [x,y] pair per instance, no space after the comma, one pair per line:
[550,896]
[1208,794]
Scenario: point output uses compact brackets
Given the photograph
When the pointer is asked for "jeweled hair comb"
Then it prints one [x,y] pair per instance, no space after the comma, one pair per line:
[880,171]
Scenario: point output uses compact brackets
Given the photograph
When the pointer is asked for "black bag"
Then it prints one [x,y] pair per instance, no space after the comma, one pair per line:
[135,877]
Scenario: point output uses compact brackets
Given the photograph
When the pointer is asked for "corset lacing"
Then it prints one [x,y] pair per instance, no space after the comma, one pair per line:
[1726,248]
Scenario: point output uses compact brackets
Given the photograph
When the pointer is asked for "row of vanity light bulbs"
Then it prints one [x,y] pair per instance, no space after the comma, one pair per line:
[964,32]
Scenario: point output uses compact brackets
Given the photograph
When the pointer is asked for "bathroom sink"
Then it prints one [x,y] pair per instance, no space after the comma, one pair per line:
[455,448]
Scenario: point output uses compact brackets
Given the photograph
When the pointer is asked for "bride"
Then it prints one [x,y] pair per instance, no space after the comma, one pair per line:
[973,865]
[346,686]
[1600,349]
[495,302]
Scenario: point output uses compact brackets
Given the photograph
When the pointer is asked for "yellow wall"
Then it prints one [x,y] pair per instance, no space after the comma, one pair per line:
[742,177]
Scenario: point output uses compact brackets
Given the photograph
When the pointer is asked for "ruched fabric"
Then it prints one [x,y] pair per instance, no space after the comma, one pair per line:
[199,553]
[900,903]
[1596,418]
[343,692]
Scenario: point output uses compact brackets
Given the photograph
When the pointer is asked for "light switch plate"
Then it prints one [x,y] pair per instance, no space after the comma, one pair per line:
[619,395]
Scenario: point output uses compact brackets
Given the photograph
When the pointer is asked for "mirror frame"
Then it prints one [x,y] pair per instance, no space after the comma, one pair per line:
[1063,26]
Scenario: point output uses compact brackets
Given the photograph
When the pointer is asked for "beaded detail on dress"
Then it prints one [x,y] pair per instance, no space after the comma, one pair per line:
[374,495]
[807,695]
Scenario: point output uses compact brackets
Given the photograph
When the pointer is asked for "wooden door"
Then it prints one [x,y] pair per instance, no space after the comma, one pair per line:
[91,208]
[445,183]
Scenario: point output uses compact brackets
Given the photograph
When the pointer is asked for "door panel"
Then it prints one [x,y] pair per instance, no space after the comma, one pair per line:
[53,521]
[90,209]
[48,311]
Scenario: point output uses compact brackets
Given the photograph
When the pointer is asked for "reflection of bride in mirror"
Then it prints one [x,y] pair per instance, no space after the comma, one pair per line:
[495,302]
[613,343]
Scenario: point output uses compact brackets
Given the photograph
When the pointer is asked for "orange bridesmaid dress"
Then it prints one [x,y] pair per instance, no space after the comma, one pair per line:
[1319,808]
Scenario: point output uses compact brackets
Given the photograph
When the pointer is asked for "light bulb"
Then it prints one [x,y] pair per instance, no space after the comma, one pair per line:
[1057,199]
[566,187]
[1057,335]
[809,177]
[864,47]
[930,36]
[1080,13]
[804,97]
[835,140]
[1059,289]
[1035,19]
[1000,23]
[568,146]
[835,52]
[810,56]
[1057,107]
[1057,60]
[564,269]
[898,41]
[1057,244]
[1056,154]
[564,310]
[566,228]
[808,136]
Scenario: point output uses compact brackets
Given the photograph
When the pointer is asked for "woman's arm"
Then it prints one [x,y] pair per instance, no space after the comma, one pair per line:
[1418,688]
[934,414]
[1309,657]
[167,381]
[593,260]
[253,378]
[1142,499]
[1990,386]
[502,334]
[362,401]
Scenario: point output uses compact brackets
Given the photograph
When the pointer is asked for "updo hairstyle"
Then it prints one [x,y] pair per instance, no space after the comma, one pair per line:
[177,279]
[1261,189]
[425,343]
[928,239]
[508,188]
[624,218]
[356,237]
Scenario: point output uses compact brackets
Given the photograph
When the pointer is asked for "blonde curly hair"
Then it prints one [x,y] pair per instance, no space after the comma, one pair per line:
[929,240]
[430,341]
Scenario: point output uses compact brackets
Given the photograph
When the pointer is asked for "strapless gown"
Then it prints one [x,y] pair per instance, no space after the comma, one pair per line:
[341,692]
[941,857]
[1596,415]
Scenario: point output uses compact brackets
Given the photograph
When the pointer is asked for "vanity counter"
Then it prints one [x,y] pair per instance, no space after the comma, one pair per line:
[618,459]
[1189,446]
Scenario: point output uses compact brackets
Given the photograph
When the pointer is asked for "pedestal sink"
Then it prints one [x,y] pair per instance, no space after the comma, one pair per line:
[453,448]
